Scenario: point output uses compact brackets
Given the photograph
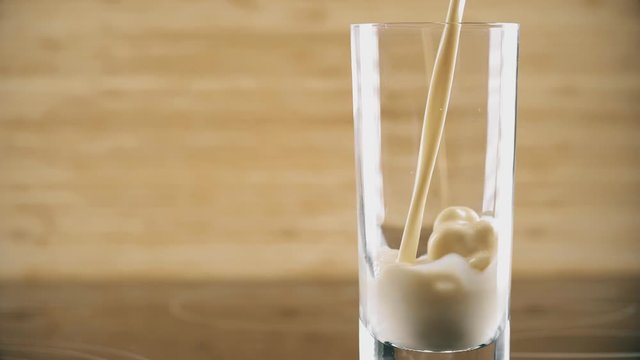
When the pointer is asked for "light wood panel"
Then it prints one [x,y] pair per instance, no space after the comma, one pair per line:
[185,139]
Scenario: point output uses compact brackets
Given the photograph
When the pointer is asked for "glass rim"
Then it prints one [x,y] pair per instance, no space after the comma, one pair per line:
[466,24]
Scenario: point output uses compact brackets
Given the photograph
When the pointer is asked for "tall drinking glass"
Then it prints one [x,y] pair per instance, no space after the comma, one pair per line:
[455,306]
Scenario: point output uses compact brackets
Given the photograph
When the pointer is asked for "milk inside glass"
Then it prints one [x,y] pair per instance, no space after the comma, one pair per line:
[446,299]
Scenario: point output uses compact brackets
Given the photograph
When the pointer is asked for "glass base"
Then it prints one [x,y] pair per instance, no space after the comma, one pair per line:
[372,349]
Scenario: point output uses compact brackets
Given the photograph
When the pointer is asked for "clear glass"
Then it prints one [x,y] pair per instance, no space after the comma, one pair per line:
[392,65]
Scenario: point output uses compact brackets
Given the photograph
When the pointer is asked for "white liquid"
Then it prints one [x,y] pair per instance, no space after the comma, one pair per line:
[448,299]
[437,306]
[434,119]
[445,300]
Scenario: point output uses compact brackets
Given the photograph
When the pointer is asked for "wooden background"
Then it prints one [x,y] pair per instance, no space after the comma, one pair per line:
[213,139]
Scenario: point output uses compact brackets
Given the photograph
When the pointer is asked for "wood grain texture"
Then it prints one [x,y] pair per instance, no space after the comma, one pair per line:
[285,320]
[189,139]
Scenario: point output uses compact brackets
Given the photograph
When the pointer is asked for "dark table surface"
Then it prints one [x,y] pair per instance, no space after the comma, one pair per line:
[551,318]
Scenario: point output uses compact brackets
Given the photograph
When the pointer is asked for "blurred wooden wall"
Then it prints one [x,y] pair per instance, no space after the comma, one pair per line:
[199,138]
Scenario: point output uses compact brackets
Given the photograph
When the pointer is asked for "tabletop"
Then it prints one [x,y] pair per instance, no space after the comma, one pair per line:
[551,318]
